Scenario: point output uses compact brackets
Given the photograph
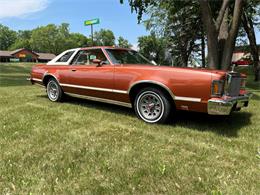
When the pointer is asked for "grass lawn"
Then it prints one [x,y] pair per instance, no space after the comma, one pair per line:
[86,147]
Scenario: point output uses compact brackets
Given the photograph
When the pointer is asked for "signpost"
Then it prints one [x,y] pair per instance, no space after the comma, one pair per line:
[91,23]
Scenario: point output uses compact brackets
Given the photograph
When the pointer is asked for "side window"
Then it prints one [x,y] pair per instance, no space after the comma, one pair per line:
[86,57]
[65,57]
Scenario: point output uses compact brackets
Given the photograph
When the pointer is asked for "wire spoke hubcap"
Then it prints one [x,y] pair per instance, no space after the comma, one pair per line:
[150,106]
[52,89]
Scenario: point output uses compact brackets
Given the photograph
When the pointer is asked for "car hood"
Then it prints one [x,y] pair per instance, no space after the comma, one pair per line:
[179,69]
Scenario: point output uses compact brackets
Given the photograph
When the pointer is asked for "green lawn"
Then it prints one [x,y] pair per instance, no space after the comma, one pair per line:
[86,147]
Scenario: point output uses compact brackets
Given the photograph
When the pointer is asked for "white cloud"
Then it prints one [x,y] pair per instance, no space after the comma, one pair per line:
[20,8]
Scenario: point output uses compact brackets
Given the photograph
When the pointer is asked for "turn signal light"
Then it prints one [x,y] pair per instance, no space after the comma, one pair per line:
[217,88]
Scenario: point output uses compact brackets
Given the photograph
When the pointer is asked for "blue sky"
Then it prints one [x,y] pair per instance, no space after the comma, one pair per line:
[112,14]
[28,14]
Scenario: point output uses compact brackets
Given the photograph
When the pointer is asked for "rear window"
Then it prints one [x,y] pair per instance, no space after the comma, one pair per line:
[65,57]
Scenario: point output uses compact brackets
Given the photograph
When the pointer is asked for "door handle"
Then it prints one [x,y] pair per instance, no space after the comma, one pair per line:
[73,70]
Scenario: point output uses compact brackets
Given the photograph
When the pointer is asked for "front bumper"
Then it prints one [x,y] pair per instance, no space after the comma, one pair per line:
[224,106]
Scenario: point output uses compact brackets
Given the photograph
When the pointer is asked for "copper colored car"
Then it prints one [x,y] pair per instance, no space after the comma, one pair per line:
[124,77]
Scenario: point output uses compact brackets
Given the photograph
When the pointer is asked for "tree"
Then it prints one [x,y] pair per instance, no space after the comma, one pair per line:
[52,38]
[153,48]
[7,37]
[47,39]
[179,22]
[22,41]
[78,40]
[104,38]
[221,32]
[220,24]
[248,24]
[123,43]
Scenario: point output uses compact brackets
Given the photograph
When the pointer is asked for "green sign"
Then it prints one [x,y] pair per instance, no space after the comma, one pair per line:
[91,22]
[14,60]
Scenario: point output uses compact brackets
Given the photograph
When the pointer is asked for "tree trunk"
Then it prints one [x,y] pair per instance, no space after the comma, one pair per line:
[203,58]
[221,14]
[223,35]
[212,36]
[231,40]
[249,28]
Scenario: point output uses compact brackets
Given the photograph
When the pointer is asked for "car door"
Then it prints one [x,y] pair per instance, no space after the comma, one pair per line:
[87,77]
[60,66]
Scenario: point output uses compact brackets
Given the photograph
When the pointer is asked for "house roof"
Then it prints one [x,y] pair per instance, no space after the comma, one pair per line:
[5,54]
[21,49]
[45,56]
[40,56]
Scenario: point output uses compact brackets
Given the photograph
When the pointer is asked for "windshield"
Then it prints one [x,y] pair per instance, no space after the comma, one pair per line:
[120,56]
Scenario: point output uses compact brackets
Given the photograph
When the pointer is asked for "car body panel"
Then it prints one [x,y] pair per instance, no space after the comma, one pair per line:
[189,88]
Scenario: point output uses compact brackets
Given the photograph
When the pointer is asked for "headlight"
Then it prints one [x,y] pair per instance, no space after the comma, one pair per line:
[217,88]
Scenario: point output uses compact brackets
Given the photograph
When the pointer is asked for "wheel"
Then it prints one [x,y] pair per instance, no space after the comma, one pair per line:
[54,91]
[152,105]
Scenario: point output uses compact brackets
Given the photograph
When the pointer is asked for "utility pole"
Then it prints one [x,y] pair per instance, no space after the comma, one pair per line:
[92,35]
[91,23]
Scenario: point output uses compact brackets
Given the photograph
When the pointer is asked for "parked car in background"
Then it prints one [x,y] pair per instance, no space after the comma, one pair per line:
[124,77]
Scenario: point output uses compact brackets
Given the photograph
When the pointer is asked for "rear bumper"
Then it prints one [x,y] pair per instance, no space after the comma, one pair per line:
[224,106]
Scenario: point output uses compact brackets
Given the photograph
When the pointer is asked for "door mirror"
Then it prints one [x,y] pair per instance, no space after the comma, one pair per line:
[97,61]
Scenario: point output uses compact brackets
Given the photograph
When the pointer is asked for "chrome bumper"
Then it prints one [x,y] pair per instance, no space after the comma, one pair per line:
[224,106]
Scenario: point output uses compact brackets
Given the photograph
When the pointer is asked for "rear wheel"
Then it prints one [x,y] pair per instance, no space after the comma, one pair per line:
[54,91]
[152,105]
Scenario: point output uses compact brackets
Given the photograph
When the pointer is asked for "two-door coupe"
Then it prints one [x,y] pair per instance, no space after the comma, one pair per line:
[124,77]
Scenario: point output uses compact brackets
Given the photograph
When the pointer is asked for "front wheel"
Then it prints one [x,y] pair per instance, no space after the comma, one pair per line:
[152,105]
[54,91]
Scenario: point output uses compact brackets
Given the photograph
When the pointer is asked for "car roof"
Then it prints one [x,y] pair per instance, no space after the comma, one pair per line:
[105,47]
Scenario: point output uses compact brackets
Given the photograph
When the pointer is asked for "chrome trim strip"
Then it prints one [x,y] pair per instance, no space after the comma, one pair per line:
[34,79]
[128,105]
[153,82]
[120,91]
[189,99]
[93,88]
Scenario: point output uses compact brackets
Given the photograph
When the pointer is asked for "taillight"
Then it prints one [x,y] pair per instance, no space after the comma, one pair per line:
[243,83]
[217,88]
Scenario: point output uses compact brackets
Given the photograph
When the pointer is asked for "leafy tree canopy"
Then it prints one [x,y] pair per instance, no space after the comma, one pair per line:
[7,37]
[123,43]
[104,37]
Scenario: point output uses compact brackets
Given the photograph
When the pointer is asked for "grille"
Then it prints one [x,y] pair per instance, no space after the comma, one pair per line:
[233,84]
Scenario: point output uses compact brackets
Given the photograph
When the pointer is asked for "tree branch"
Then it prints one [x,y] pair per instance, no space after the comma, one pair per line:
[221,14]
[212,36]
[231,40]
[249,28]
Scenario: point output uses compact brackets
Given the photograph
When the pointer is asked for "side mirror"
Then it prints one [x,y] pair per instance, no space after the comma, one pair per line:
[97,61]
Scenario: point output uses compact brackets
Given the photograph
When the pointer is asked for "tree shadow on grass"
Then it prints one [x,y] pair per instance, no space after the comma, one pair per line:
[13,80]
[227,126]
[14,68]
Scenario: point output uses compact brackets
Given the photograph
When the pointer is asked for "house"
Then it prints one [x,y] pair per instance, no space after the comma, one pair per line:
[25,55]
[242,56]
